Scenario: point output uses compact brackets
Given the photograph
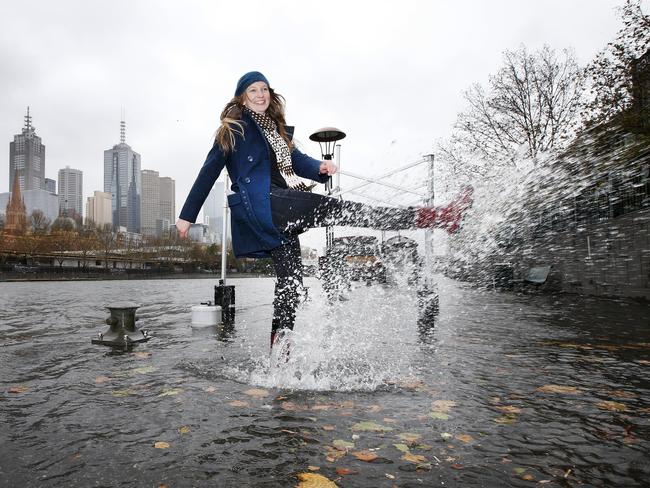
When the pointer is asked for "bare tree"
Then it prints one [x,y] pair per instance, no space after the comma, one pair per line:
[529,106]
[39,222]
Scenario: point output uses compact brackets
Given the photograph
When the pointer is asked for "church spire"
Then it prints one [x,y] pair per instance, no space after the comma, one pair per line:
[15,215]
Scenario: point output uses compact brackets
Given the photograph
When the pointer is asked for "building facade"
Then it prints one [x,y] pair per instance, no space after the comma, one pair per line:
[71,192]
[213,212]
[50,185]
[150,201]
[122,179]
[27,158]
[168,200]
[99,209]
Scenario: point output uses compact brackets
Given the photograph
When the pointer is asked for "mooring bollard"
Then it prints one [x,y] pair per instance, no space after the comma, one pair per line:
[428,304]
[224,296]
[122,333]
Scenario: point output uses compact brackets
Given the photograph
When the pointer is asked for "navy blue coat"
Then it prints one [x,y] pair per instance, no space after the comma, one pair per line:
[249,168]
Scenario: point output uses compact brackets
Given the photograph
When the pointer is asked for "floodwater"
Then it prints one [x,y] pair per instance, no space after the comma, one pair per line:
[503,390]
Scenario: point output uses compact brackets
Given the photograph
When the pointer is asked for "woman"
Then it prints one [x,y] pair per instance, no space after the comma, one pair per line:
[270,206]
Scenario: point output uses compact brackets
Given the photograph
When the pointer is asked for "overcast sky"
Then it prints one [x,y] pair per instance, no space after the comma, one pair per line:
[388,73]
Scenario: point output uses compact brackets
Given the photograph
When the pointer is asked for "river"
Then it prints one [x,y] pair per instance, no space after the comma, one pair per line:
[502,390]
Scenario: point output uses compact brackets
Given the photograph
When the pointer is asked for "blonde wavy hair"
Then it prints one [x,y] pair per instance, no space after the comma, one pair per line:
[232,123]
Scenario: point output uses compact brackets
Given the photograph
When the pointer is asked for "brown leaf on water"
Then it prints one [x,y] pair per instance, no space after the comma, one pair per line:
[409,438]
[528,477]
[342,445]
[257,393]
[612,406]
[443,406]
[366,456]
[184,429]
[209,389]
[101,380]
[645,362]
[161,445]
[506,419]
[494,400]
[413,458]
[328,428]
[413,385]
[142,354]
[571,390]
[386,420]
[293,407]
[375,408]
[238,403]
[466,438]
[334,454]
[457,466]
[345,471]
[18,389]
[313,468]
[369,426]
[621,394]
[509,409]
[313,480]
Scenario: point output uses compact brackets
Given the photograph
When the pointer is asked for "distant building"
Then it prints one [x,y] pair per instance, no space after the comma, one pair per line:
[168,199]
[42,200]
[122,179]
[199,233]
[213,212]
[50,185]
[149,202]
[27,158]
[163,227]
[70,192]
[15,214]
[98,209]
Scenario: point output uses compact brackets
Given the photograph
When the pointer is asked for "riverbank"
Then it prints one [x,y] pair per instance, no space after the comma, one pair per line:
[90,276]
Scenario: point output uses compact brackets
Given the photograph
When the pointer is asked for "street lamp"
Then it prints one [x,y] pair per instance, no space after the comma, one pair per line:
[326,137]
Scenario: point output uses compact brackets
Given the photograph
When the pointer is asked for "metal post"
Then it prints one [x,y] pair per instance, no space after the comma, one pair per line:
[224,229]
[429,202]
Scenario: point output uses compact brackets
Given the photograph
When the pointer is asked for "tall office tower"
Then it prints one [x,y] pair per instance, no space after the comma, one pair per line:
[213,209]
[98,209]
[50,185]
[168,199]
[150,201]
[27,158]
[70,192]
[122,181]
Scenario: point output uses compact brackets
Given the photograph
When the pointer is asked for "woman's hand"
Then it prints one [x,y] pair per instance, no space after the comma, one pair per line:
[328,168]
[182,227]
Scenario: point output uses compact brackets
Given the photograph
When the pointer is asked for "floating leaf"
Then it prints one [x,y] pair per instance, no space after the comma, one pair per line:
[328,427]
[342,445]
[209,389]
[142,354]
[414,458]
[645,362]
[443,405]
[184,429]
[320,407]
[314,480]
[370,427]
[145,370]
[465,438]
[313,468]
[528,477]
[439,416]
[334,454]
[123,393]
[621,394]
[506,419]
[424,447]
[102,379]
[18,389]
[238,403]
[366,456]
[161,445]
[171,392]
[446,435]
[509,409]
[345,471]
[390,476]
[409,438]
[401,447]
[375,408]
[612,406]
[572,390]
[519,471]
[256,393]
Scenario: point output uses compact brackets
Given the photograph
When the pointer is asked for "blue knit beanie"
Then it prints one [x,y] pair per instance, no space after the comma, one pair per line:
[248,79]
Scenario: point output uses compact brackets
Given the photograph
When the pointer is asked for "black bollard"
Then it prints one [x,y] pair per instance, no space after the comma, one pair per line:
[122,334]
[224,296]
[428,304]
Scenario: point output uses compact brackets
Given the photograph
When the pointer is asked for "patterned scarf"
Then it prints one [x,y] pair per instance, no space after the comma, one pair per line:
[280,148]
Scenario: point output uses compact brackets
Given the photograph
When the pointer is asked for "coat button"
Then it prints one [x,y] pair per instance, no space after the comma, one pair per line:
[250,158]
[247,180]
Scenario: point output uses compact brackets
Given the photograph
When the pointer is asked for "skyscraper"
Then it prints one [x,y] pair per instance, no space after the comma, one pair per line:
[27,158]
[150,203]
[50,185]
[70,192]
[213,210]
[122,181]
